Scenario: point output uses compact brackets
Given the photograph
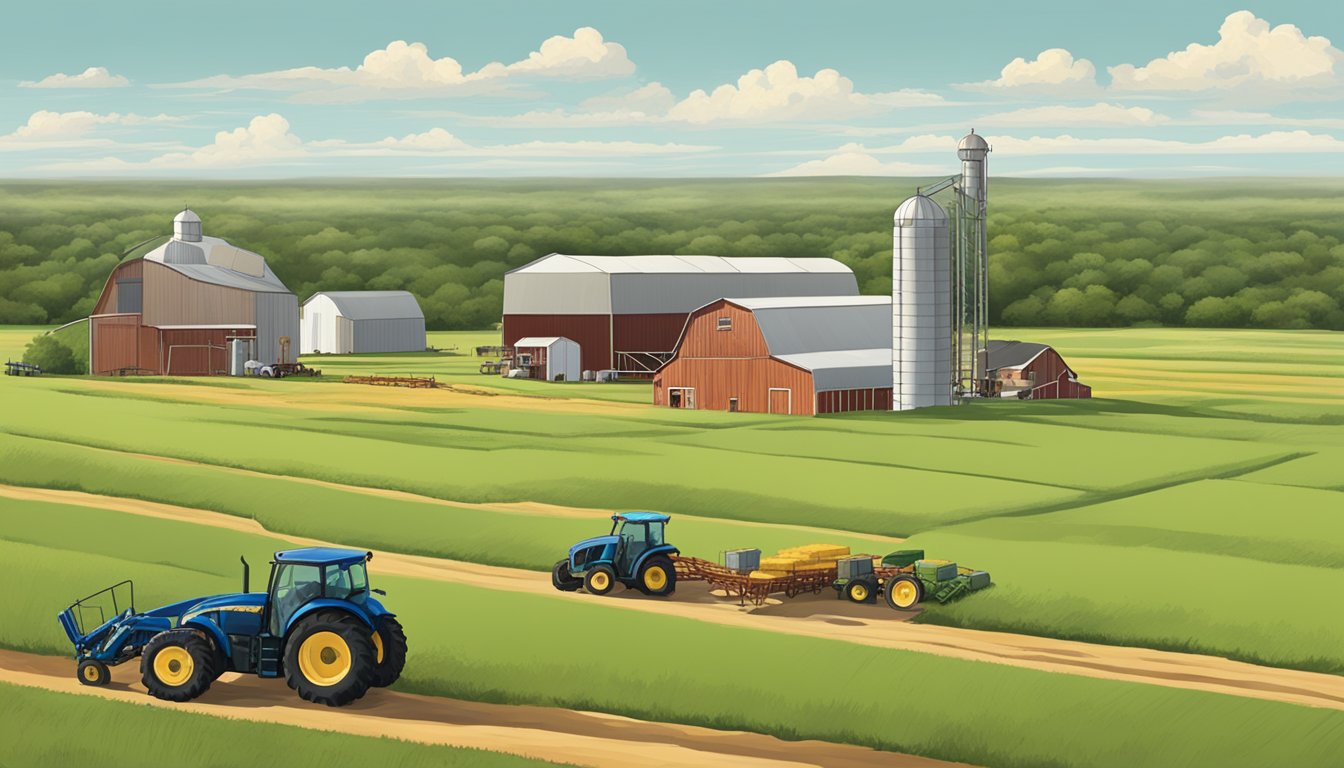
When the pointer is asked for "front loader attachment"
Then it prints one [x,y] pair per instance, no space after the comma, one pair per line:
[90,618]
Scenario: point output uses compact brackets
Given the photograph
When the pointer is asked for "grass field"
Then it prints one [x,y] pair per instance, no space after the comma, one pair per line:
[1193,505]
[684,671]
[77,730]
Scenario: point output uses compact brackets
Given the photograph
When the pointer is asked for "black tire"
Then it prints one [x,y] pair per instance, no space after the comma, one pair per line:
[93,672]
[861,591]
[392,638]
[651,583]
[338,666]
[599,580]
[178,665]
[897,592]
[562,579]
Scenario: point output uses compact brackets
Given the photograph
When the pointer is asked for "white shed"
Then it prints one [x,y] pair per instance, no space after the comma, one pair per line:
[342,322]
[552,358]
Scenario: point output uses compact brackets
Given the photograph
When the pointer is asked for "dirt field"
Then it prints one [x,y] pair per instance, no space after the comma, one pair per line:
[823,616]
[581,738]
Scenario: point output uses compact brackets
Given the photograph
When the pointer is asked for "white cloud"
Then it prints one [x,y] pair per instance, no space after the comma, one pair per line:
[1054,70]
[1272,142]
[265,139]
[1236,117]
[779,93]
[437,141]
[407,70]
[93,77]
[49,130]
[1099,114]
[854,160]
[1249,53]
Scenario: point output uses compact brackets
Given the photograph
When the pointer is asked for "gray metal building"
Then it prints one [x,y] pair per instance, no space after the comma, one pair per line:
[345,322]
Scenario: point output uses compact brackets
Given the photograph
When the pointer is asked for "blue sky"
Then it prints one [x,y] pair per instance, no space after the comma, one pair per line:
[261,90]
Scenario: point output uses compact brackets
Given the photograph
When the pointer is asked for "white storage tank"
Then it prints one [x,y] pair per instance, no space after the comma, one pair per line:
[921,306]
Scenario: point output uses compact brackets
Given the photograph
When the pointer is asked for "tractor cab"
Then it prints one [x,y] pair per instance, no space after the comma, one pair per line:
[635,553]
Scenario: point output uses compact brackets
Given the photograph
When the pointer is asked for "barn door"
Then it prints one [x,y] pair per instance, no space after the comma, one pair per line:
[316,325]
[781,401]
[345,335]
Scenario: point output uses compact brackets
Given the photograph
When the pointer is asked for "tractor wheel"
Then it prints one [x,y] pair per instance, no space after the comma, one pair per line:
[389,646]
[562,579]
[657,577]
[599,580]
[330,658]
[178,665]
[860,591]
[904,592]
[93,672]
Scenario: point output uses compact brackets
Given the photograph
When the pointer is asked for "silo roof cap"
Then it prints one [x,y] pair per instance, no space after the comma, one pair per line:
[919,208]
[187,215]
[973,140]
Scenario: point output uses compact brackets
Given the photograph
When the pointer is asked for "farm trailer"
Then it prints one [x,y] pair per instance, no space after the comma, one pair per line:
[636,554]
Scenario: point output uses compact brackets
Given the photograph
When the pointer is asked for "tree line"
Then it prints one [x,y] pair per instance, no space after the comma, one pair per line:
[1239,253]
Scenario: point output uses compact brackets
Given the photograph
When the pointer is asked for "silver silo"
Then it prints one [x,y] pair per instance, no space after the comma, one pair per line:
[921,306]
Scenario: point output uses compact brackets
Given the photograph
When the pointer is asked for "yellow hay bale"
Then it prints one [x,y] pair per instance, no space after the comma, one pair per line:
[818,566]
[780,563]
[817,552]
[764,575]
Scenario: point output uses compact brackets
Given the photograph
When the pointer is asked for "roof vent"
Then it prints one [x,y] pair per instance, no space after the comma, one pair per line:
[187,226]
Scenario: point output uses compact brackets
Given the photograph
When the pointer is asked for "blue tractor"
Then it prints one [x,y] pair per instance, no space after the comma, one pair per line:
[635,554]
[317,624]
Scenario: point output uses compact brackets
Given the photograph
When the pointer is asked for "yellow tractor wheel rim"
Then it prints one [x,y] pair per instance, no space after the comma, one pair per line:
[324,658]
[904,594]
[655,578]
[173,665]
[859,592]
[91,673]
[378,647]
[600,581]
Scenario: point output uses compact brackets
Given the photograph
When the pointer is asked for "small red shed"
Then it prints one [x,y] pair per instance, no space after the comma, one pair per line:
[1031,371]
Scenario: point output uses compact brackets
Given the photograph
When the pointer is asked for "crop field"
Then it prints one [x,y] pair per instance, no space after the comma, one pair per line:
[1191,506]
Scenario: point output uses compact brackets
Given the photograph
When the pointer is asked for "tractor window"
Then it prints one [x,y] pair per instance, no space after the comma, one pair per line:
[294,585]
[655,534]
[347,583]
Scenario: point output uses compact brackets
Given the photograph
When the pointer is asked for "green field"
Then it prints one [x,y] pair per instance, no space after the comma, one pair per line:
[1192,505]
[78,730]
[704,674]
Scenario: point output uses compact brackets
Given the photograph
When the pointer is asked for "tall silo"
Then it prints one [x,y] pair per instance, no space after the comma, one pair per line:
[971,265]
[921,306]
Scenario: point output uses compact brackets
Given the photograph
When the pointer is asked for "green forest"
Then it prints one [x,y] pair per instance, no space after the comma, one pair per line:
[1260,253]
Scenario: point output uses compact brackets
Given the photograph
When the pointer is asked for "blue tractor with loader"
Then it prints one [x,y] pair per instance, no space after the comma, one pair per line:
[317,624]
[635,554]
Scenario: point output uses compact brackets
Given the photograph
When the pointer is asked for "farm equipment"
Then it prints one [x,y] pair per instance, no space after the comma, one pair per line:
[634,554]
[317,625]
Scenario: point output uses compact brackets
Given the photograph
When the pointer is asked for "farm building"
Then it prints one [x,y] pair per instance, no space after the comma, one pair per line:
[553,358]
[1031,371]
[173,310]
[791,355]
[626,312]
[342,322]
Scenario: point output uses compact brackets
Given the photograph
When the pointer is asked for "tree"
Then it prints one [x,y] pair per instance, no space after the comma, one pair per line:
[53,356]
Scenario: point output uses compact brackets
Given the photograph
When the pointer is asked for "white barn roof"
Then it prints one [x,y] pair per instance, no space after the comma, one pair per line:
[373,305]
[215,261]
[845,341]
[561,284]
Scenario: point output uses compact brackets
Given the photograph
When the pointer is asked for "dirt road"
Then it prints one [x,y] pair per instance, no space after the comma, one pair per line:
[822,616]
[563,735]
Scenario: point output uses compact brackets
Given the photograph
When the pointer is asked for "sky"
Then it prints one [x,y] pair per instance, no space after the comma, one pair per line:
[250,89]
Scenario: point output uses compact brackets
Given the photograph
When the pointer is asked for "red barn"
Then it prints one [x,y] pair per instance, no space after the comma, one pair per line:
[791,355]
[626,312]
[173,310]
[1031,371]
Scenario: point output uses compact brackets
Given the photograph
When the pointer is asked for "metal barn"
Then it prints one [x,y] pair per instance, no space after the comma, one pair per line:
[343,322]
[173,310]
[1031,371]
[790,355]
[626,312]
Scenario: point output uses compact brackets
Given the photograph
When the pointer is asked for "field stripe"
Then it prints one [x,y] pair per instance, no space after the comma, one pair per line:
[873,626]
[545,733]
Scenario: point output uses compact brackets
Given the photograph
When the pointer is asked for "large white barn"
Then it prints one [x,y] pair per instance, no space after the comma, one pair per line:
[345,322]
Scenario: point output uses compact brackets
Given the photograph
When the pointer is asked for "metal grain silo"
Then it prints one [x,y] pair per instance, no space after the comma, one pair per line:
[921,306]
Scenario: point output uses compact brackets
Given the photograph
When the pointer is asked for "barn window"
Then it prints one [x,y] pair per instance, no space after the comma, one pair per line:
[525,358]
[732,405]
[130,295]
[725,324]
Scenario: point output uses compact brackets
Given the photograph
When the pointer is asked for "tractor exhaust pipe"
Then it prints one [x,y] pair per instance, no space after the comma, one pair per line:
[247,574]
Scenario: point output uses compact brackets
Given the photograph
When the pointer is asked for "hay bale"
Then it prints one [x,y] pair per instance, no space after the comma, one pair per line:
[765,575]
[784,564]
